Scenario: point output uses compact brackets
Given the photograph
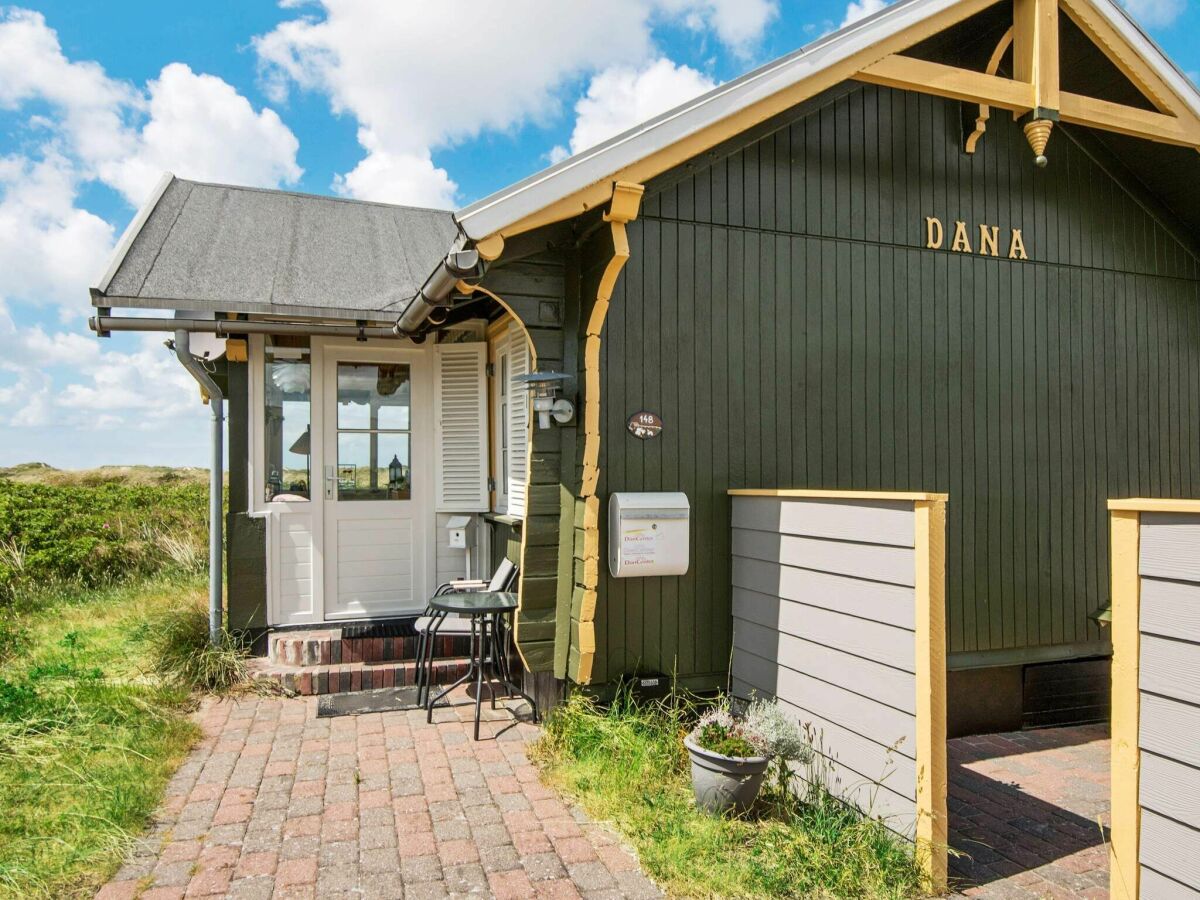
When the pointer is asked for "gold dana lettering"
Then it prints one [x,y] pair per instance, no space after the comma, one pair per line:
[962,243]
[1016,249]
[989,239]
[989,236]
[933,232]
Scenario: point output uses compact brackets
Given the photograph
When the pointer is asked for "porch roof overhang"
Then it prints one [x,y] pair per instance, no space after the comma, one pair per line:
[224,249]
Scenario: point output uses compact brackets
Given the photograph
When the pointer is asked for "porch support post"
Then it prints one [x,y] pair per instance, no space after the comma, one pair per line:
[211,393]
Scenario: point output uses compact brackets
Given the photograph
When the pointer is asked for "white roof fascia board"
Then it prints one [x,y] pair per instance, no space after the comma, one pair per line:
[131,232]
[1163,65]
[527,197]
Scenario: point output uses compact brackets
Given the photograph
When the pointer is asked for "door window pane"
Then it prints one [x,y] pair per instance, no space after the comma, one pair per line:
[374,440]
[287,382]
[373,397]
[374,465]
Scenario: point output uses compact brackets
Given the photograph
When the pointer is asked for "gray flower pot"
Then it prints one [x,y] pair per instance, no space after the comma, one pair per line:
[725,783]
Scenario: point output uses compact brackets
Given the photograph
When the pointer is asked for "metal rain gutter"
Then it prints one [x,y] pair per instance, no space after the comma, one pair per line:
[216,543]
[457,265]
[227,327]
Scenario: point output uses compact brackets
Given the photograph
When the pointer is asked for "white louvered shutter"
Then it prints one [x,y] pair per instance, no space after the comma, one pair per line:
[460,428]
[518,420]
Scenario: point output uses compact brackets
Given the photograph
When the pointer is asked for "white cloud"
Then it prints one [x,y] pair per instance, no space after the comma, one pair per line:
[1155,13]
[82,126]
[860,9]
[737,23]
[49,248]
[620,97]
[420,77]
[200,127]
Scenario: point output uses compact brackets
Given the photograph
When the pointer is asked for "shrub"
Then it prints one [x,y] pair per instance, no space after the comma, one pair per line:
[93,534]
[181,653]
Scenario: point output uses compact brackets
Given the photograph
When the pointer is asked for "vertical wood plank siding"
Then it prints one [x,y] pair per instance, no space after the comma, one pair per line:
[781,314]
[1169,679]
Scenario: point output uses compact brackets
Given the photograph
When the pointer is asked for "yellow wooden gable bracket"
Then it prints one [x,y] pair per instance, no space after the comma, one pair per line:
[1034,92]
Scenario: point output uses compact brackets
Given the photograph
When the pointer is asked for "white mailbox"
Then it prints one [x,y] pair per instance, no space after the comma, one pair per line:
[648,534]
[456,532]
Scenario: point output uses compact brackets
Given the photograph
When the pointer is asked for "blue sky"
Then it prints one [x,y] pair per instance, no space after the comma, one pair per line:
[348,97]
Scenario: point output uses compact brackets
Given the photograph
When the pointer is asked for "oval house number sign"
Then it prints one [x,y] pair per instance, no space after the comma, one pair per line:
[645,425]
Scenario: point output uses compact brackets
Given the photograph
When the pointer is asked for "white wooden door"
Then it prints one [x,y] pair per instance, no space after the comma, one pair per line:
[378,481]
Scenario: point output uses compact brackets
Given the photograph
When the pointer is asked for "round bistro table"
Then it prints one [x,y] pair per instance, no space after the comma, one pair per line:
[489,644]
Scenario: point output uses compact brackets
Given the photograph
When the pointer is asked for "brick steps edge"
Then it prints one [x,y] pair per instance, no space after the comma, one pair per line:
[346,677]
[327,648]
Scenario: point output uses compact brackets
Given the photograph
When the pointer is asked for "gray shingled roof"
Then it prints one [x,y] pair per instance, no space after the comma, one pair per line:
[219,248]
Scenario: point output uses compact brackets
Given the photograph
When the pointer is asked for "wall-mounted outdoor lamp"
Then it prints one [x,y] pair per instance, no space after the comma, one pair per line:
[545,387]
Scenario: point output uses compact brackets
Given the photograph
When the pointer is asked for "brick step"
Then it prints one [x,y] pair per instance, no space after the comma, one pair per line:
[326,646]
[340,678]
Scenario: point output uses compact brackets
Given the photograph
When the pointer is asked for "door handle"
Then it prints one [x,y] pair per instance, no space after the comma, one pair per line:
[330,481]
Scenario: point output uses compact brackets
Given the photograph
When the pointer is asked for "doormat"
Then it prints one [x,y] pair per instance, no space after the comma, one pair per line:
[373,701]
[393,628]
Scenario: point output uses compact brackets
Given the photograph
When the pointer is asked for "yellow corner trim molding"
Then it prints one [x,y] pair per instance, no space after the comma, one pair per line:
[623,207]
[1125,833]
[1163,504]
[839,495]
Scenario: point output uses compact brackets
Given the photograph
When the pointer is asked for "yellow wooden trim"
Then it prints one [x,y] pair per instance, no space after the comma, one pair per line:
[1138,504]
[599,193]
[624,202]
[494,328]
[236,350]
[1124,57]
[466,288]
[985,111]
[587,607]
[1035,49]
[931,837]
[909,74]
[1124,869]
[1129,120]
[491,247]
[838,495]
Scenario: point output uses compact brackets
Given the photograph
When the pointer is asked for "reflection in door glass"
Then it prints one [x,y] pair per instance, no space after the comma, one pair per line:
[373,466]
[287,395]
[374,420]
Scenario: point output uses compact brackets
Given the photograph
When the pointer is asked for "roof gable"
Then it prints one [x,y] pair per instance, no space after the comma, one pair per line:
[868,50]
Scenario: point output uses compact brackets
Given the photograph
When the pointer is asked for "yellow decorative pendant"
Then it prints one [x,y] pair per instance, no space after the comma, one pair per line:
[1037,133]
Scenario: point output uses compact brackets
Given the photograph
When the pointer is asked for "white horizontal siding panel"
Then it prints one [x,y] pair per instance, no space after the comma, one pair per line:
[1158,887]
[886,644]
[1167,546]
[887,603]
[1170,788]
[894,565]
[1170,847]
[1170,728]
[1171,608]
[862,676]
[1170,668]
[889,522]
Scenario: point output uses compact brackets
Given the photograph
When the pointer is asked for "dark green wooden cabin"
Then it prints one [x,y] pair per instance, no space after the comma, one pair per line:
[843,270]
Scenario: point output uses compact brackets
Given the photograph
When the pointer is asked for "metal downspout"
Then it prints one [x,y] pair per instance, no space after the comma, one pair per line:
[216,486]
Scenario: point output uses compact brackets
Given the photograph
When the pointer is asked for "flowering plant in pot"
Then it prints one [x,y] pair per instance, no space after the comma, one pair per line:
[730,754]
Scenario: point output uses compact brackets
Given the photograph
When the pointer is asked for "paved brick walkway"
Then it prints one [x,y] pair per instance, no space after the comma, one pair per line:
[276,803]
[1027,808]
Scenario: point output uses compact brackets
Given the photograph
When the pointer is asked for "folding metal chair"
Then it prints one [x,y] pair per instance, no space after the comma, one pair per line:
[502,579]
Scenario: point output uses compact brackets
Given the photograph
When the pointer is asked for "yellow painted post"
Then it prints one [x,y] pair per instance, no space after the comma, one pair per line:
[1124,870]
[932,837]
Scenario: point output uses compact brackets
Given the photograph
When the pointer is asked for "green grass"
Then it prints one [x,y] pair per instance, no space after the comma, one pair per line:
[89,735]
[626,764]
